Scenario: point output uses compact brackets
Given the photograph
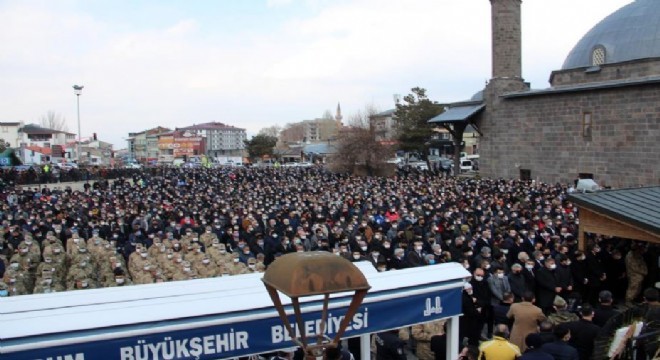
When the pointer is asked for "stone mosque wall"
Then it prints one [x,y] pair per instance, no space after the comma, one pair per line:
[633,69]
[545,134]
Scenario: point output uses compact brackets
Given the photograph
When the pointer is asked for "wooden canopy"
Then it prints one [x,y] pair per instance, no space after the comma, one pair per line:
[627,213]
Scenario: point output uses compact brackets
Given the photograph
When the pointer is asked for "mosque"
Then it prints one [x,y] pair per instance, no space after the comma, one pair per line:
[599,119]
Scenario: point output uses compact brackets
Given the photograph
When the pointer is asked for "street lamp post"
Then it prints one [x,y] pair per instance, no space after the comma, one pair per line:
[77,89]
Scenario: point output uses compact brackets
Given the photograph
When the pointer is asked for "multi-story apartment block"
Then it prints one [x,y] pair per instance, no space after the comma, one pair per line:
[220,139]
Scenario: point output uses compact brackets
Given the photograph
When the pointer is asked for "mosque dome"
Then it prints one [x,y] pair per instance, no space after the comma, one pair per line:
[478,96]
[630,33]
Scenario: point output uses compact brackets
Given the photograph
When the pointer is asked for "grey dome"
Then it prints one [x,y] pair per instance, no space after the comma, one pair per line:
[478,96]
[632,32]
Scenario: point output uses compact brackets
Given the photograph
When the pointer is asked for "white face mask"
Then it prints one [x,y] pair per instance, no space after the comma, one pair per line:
[119,281]
[478,278]
[206,261]
[500,275]
[529,267]
[356,257]
[236,260]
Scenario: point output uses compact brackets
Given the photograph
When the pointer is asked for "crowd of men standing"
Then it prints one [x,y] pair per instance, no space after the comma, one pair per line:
[517,238]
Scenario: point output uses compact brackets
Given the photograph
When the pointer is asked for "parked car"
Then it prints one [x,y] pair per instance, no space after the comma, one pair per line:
[419,165]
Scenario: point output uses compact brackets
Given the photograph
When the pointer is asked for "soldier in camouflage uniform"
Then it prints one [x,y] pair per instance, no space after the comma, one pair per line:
[137,260]
[15,284]
[144,276]
[185,272]
[561,314]
[636,271]
[73,242]
[34,250]
[196,255]
[207,237]
[423,333]
[46,284]
[79,271]
[206,268]
[236,267]
[118,278]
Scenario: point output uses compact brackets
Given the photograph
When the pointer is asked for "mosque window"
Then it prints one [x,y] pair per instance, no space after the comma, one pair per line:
[598,56]
[586,125]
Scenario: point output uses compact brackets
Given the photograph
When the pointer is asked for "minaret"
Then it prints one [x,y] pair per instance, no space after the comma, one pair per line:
[506,47]
[338,117]
[506,39]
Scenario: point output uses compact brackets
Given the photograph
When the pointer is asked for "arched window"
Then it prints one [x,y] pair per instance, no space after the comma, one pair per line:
[598,56]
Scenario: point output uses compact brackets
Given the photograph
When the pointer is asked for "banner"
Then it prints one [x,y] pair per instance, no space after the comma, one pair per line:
[255,336]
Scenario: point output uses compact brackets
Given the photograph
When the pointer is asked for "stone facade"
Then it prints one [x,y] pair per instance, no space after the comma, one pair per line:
[544,134]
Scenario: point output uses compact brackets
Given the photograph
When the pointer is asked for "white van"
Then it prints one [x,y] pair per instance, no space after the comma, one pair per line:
[466,165]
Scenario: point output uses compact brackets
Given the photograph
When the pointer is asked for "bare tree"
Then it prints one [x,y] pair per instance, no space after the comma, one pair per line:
[293,132]
[273,131]
[53,121]
[358,146]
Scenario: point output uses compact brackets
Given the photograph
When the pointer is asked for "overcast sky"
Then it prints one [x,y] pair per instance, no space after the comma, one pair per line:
[257,63]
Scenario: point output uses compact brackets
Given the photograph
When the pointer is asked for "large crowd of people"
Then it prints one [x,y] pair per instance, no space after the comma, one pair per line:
[517,238]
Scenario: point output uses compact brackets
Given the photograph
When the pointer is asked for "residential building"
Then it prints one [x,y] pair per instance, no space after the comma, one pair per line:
[179,144]
[310,131]
[35,135]
[9,133]
[384,125]
[143,145]
[220,139]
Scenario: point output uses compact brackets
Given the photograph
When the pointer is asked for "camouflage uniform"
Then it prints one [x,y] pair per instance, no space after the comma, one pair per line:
[118,278]
[206,268]
[422,334]
[197,254]
[144,276]
[636,270]
[82,284]
[252,265]
[185,272]
[33,247]
[15,284]
[236,267]
[562,316]
[73,243]
[208,237]
[136,262]
[78,272]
